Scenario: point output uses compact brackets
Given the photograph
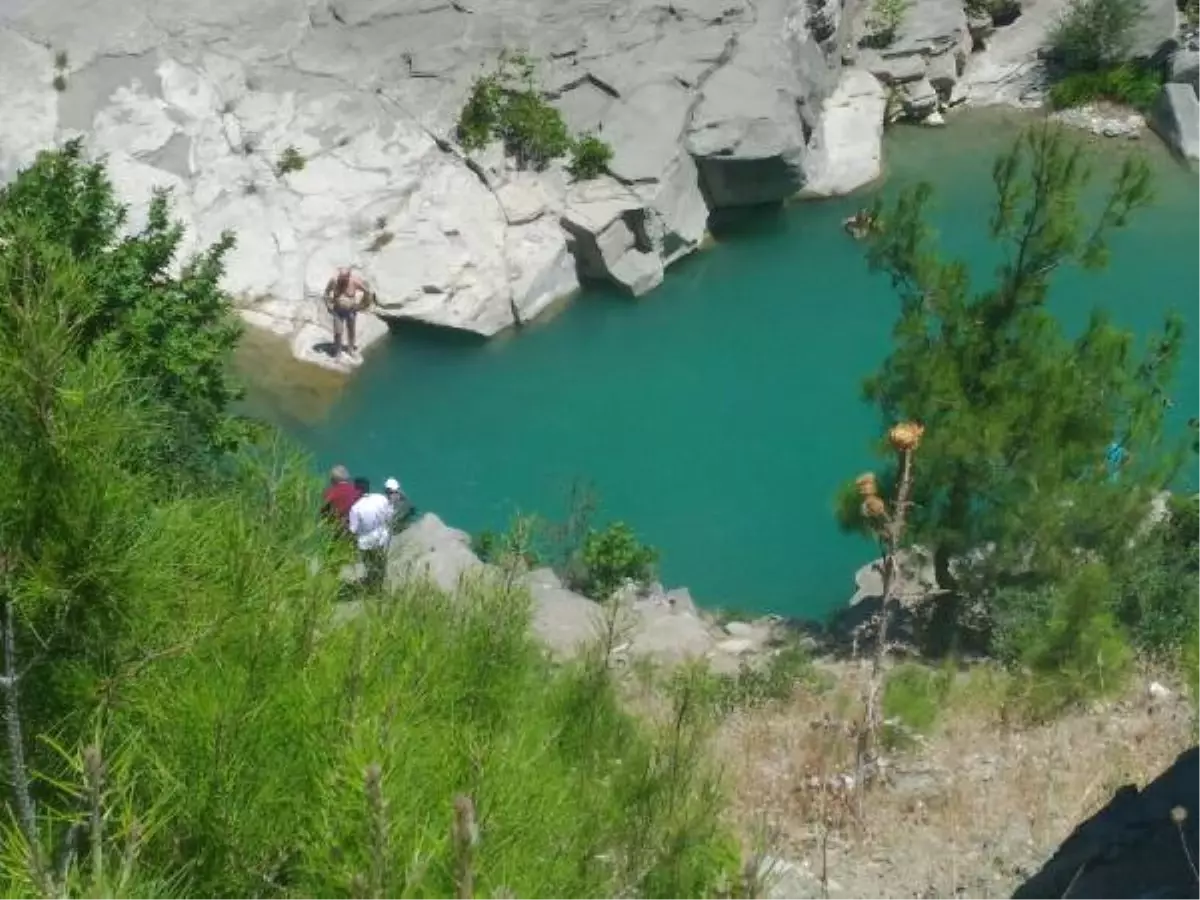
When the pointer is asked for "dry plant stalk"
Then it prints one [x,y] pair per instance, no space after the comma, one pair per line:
[466,836]
[18,772]
[890,527]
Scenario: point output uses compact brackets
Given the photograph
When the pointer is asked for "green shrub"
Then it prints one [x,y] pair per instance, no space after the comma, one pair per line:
[1095,34]
[590,157]
[613,556]
[755,686]
[1127,84]
[290,160]
[480,117]
[1067,640]
[175,333]
[885,18]
[913,696]
[507,106]
[516,545]
[279,754]
[532,130]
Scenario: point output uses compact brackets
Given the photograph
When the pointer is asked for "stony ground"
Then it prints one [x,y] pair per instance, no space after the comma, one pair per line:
[971,812]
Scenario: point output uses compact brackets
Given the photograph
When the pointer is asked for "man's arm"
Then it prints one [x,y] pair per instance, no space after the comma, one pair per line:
[360,288]
[330,289]
[355,521]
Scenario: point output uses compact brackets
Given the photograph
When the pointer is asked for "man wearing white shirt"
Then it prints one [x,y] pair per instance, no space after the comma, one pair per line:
[371,525]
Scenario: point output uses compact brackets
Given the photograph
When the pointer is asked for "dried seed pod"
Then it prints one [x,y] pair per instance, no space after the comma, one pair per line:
[874,508]
[906,436]
[866,485]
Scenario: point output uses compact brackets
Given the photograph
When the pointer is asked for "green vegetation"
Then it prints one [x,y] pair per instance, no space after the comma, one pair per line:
[1095,34]
[191,710]
[1126,83]
[595,562]
[590,157]
[613,556]
[1091,45]
[913,699]
[506,105]
[1017,420]
[290,160]
[885,18]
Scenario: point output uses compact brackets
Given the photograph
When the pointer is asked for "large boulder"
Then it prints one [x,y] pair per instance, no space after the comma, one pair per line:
[1176,118]
[431,549]
[846,150]
[607,223]
[925,56]
[1157,27]
[1184,68]
[749,127]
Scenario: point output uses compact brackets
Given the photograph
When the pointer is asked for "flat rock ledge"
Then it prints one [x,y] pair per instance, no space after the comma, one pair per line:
[651,622]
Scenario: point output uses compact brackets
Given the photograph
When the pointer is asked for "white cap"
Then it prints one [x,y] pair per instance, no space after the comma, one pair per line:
[391,485]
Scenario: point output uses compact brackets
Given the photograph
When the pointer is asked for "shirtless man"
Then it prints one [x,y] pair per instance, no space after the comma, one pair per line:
[345,294]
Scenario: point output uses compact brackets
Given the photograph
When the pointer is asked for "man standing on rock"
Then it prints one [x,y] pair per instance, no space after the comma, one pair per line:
[346,295]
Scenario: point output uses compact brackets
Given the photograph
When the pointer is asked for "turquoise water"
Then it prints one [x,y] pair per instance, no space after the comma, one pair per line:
[718,414]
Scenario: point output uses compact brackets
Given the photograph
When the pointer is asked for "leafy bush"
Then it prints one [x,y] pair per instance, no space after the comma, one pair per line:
[613,556]
[1127,84]
[885,18]
[590,157]
[913,696]
[517,545]
[507,106]
[479,120]
[1067,638]
[175,334]
[1095,34]
[1158,580]
[754,686]
[290,160]
[533,131]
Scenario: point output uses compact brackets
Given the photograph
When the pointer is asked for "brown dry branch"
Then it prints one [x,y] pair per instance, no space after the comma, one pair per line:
[890,528]
[17,770]
[466,836]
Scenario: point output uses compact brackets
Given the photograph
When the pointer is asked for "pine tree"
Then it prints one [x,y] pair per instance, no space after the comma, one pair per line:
[1019,414]
[175,331]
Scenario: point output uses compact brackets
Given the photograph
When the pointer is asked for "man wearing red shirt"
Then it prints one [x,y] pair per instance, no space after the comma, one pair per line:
[339,497]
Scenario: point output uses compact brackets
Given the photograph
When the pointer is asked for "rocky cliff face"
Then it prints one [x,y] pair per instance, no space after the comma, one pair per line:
[706,103]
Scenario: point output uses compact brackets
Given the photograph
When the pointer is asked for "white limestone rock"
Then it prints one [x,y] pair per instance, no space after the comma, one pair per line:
[846,151]
[205,99]
[1176,118]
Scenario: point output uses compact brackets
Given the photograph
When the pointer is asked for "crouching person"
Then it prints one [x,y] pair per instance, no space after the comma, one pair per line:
[371,525]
